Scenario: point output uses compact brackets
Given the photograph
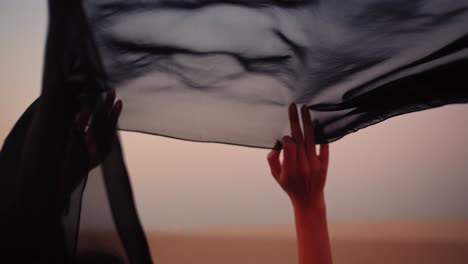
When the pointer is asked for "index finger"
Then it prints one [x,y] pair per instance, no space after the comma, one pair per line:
[296,132]
[309,137]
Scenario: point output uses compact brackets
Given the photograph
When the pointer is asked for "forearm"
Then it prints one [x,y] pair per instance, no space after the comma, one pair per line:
[313,243]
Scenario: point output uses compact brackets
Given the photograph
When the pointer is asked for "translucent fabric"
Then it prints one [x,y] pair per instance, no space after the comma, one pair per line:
[225,71]
[214,71]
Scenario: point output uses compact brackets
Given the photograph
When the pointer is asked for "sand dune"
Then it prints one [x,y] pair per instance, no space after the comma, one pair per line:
[352,243]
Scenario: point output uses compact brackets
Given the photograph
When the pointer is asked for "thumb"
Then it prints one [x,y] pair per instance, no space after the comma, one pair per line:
[273,160]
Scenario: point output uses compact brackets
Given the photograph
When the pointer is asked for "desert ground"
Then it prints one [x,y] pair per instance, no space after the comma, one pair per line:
[414,242]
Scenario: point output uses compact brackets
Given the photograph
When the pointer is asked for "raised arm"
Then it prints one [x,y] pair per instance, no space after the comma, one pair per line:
[302,175]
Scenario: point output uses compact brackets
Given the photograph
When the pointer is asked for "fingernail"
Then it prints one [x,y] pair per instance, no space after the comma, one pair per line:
[119,105]
[111,93]
[316,123]
[278,145]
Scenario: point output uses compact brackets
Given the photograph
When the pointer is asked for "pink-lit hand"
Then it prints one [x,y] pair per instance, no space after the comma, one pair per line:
[302,174]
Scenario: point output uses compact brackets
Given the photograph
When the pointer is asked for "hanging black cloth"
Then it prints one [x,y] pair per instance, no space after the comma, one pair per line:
[214,71]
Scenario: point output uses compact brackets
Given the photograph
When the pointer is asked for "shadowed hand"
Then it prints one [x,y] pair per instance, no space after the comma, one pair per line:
[90,140]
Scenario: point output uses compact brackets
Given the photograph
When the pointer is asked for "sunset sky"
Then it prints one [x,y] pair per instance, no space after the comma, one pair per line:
[409,167]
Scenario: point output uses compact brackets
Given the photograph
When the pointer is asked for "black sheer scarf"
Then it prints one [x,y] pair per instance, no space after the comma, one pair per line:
[213,71]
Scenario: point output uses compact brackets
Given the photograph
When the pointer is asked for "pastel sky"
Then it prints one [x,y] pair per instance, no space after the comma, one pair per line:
[409,167]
